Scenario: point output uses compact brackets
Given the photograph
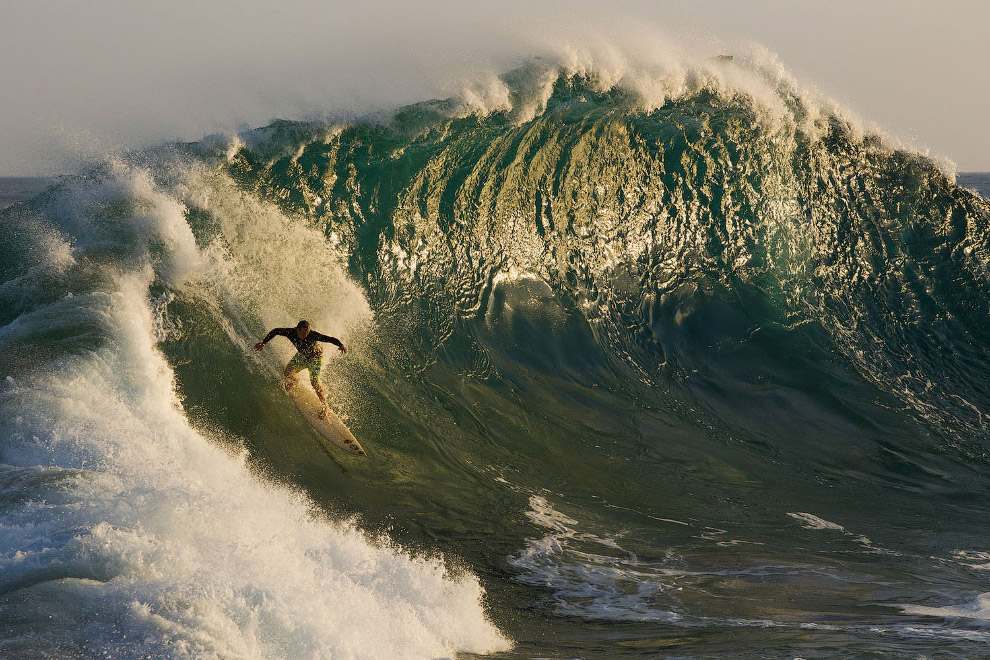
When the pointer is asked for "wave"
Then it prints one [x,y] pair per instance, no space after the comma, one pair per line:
[721,219]
[673,292]
[137,532]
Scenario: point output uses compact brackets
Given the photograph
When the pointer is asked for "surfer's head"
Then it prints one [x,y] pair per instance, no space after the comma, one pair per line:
[302,329]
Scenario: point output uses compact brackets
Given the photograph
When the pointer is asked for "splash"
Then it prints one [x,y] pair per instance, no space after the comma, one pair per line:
[142,534]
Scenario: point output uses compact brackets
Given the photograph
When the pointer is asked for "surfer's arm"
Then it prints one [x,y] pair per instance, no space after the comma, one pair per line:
[277,332]
[330,340]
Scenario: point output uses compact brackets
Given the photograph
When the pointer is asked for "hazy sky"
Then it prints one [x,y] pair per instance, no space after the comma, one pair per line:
[83,78]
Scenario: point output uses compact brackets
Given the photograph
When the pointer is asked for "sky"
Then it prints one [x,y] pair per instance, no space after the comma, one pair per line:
[81,80]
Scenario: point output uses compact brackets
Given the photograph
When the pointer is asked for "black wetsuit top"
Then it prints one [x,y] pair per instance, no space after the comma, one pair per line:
[306,346]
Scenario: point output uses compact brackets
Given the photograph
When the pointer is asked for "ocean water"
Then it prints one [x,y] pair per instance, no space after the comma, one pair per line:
[978,181]
[19,188]
[695,375]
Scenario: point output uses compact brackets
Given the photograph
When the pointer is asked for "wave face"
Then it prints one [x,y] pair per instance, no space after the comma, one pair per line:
[709,363]
[775,220]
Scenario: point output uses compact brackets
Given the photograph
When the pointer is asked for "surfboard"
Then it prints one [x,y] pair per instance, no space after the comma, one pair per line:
[330,428]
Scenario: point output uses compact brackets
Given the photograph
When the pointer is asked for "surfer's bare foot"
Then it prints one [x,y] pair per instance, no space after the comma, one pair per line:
[324,413]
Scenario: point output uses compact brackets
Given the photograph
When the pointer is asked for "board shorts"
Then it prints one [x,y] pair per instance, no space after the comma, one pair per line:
[300,362]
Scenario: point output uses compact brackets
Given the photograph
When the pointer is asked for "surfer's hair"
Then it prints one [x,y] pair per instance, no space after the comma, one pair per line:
[303,325]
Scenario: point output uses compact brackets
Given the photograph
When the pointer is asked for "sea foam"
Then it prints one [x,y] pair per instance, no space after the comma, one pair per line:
[127,532]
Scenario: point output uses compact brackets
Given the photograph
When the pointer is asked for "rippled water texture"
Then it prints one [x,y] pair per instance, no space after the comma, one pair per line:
[696,375]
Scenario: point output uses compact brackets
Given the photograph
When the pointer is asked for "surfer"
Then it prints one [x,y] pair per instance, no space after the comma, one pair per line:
[309,356]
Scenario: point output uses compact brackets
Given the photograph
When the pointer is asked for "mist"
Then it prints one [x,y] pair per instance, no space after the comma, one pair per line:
[83,80]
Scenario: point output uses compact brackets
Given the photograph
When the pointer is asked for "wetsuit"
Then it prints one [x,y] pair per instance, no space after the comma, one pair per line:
[310,355]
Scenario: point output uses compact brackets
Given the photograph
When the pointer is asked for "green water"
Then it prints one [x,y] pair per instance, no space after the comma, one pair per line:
[700,380]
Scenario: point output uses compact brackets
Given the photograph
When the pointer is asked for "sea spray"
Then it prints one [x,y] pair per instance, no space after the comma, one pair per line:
[631,343]
[143,535]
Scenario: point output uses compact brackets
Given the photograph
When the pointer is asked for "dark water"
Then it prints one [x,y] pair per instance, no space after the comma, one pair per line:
[702,380]
[978,181]
[19,188]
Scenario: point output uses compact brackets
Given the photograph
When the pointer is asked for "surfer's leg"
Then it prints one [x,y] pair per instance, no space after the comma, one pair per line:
[315,367]
[296,364]
[289,377]
[322,394]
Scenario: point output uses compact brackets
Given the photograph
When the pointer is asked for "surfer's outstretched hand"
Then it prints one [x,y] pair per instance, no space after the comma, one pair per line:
[342,349]
[260,345]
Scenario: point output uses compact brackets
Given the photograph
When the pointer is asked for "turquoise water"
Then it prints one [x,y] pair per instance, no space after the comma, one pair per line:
[697,378]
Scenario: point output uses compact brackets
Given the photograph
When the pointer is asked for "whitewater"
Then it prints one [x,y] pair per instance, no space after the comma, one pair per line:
[673,358]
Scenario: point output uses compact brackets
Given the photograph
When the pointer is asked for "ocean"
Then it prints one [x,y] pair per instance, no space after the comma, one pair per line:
[19,188]
[977,181]
[691,377]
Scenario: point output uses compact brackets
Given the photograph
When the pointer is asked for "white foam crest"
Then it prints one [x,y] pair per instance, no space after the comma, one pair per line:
[656,68]
[149,539]
[222,146]
[124,210]
[483,95]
